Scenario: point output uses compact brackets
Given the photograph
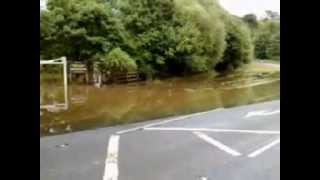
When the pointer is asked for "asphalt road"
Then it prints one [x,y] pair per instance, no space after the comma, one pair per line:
[241,143]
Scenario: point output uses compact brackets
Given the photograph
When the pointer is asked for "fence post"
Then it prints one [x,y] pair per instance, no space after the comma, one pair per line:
[65,79]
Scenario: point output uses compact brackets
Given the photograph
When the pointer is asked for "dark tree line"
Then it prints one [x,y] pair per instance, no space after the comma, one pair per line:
[155,37]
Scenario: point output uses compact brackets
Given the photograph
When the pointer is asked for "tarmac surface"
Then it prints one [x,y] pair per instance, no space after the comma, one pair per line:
[240,143]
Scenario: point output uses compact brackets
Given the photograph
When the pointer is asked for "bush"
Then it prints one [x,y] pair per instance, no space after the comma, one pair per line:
[201,35]
[117,61]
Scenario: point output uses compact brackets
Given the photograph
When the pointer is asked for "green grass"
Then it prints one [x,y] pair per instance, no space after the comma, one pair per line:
[260,67]
[269,61]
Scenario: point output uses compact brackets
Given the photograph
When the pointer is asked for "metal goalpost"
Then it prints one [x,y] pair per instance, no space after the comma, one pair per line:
[58,61]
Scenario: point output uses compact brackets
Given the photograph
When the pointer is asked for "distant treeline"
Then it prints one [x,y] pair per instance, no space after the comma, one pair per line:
[265,34]
[154,37]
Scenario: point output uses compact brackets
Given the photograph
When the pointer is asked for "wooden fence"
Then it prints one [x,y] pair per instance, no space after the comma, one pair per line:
[129,77]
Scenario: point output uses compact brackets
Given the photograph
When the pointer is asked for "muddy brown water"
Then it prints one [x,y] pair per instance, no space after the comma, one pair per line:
[92,107]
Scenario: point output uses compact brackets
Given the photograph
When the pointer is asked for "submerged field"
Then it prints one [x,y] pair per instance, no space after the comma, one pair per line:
[92,107]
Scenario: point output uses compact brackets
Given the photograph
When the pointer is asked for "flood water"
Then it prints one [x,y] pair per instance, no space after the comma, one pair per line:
[92,107]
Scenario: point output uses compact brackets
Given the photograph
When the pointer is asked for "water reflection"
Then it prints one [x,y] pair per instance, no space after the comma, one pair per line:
[92,107]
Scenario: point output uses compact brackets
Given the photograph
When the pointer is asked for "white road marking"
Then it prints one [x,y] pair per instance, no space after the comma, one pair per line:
[170,120]
[211,130]
[165,121]
[129,130]
[261,113]
[264,148]
[152,124]
[203,178]
[217,144]
[111,171]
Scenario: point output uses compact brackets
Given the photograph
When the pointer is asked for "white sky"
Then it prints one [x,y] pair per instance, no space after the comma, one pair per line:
[42,4]
[239,7]
[258,7]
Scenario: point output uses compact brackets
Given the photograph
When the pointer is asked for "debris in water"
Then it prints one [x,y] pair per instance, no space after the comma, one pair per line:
[68,128]
[51,130]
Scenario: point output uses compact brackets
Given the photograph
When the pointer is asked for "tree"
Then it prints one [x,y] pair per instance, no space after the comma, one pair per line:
[201,35]
[148,23]
[161,37]
[239,48]
[78,29]
[174,37]
[251,20]
[267,40]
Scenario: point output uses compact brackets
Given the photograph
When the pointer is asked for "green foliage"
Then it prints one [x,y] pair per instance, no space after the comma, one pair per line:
[117,61]
[239,48]
[266,35]
[150,34]
[200,36]
[156,37]
[170,36]
[251,20]
[78,29]
[267,40]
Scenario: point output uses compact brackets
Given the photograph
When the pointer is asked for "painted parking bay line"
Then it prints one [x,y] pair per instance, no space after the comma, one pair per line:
[217,144]
[261,113]
[111,171]
[264,148]
[211,130]
[166,121]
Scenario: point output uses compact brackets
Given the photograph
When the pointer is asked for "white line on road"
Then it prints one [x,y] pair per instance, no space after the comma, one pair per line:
[211,130]
[111,171]
[264,148]
[129,130]
[152,124]
[203,178]
[165,121]
[217,144]
[261,113]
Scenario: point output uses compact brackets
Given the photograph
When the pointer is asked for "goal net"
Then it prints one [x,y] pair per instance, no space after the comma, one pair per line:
[53,84]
